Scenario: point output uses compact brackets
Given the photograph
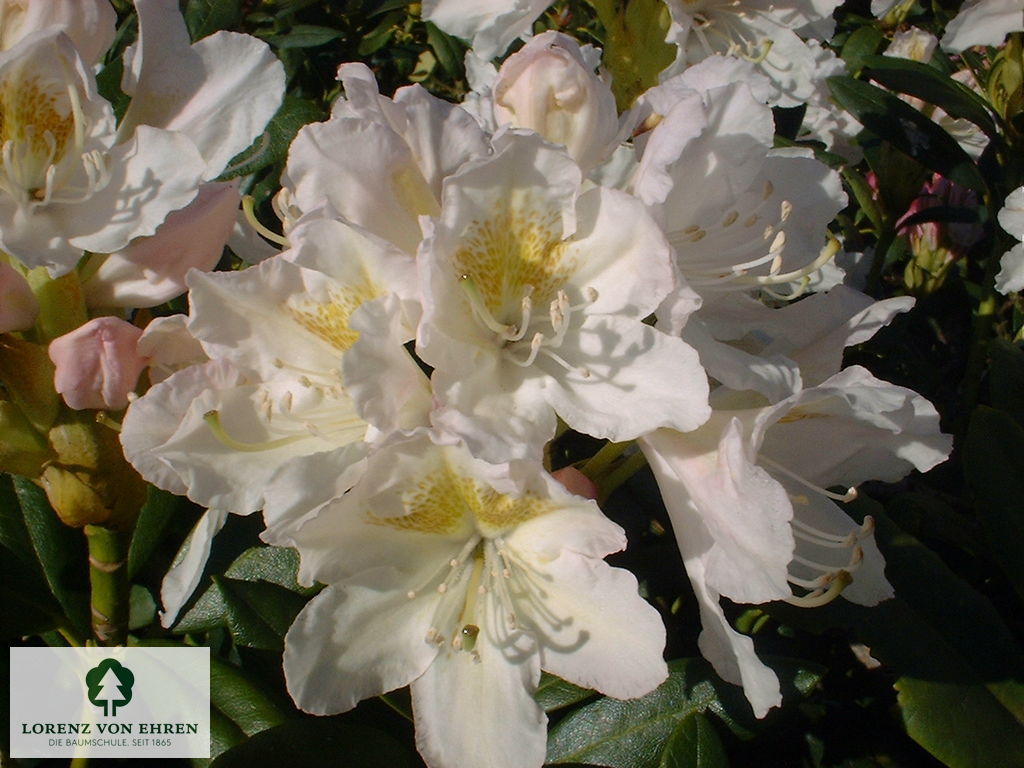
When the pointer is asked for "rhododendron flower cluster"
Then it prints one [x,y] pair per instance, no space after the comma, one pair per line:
[419,377]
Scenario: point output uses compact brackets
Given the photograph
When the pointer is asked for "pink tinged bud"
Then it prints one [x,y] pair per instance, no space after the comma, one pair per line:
[576,482]
[152,270]
[98,364]
[18,305]
[548,88]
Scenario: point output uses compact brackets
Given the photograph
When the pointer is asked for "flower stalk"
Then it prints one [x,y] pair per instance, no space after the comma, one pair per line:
[108,583]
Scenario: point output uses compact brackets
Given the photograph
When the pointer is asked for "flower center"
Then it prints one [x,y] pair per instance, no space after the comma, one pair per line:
[42,135]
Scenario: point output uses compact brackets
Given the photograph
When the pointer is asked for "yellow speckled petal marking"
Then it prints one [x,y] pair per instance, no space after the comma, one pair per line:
[444,502]
[34,120]
[510,251]
[329,320]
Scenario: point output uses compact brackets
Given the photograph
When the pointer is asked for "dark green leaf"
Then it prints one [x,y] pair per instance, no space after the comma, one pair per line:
[943,640]
[448,52]
[256,599]
[962,725]
[224,734]
[258,614]
[862,192]
[992,462]
[241,699]
[555,693]
[694,744]
[204,17]
[635,734]
[380,35]
[316,743]
[906,129]
[108,83]
[932,86]
[304,36]
[60,551]
[1006,378]
[154,516]
[862,44]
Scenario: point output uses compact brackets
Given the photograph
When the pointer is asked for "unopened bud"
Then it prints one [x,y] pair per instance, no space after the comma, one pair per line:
[548,87]
[97,364]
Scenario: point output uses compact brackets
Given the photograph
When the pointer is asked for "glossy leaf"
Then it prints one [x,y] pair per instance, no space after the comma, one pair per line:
[554,693]
[240,698]
[316,742]
[204,17]
[60,552]
[906,129]
[637,733]
[931,86]
[992,463]
[272,147]
[154,516]
[304,36]
[863,44]
[694,744]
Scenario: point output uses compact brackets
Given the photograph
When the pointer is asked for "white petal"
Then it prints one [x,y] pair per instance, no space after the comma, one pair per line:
[639,379]
[220,92]
[154,173]
[744,511]
[1011,270]
[152,270]
[183,577]
[351,643]
[851,428]
[983,22]
[596,630]
[480,714]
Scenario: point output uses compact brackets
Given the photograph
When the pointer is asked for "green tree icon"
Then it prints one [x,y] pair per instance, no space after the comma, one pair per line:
[110,685]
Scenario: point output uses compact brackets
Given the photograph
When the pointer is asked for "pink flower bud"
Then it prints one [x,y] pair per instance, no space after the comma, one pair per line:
[98,364]
[549,88]
[18,305]
[576,482]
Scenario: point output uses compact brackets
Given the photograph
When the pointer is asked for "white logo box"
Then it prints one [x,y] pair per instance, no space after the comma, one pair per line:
[144,702]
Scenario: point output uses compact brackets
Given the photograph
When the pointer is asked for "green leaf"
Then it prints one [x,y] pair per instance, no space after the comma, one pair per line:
[944,641]
[319,742]
[60,552]
[204,17]
[141,607]
[241,699]
[381,34]
[992,463]
[637,733]
[906,129]
[862,44]
[1006,378]
[304,36]
[154,516]
[865,199]
[694,744]
[932,86]
[257,599]
[961,725]
[555,693]
[448,52]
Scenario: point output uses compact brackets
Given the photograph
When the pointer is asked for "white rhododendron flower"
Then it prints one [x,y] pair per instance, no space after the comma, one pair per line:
[725,198]
[534,296]
[491,25]
[67,184]
[464,580]
[1011,218]
[983,22]
[747,495]
[379,162]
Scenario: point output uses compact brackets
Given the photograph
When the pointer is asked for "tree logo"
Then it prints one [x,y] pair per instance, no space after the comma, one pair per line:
[110,685]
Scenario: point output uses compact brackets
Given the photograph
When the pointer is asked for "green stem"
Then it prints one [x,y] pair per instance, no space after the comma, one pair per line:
[396,706]
[629,467]
[596,465]
[108,581]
